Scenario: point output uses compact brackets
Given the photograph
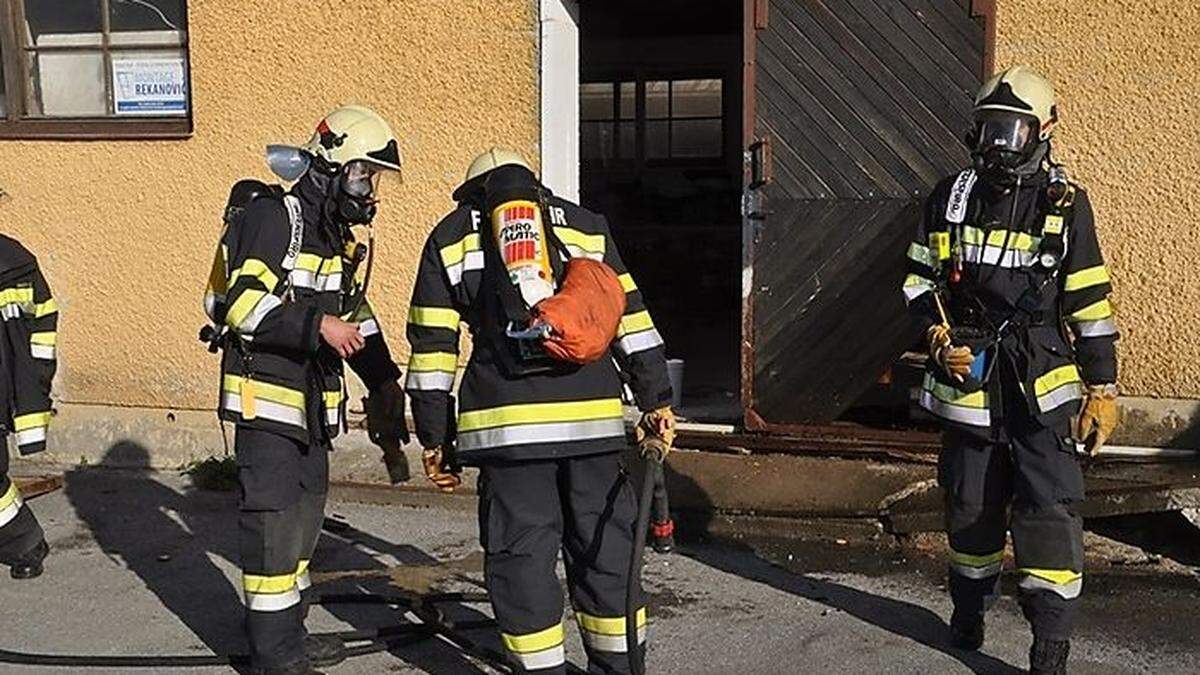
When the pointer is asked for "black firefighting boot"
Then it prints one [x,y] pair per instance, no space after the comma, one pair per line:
[662,536]
[1048,657]
[966,632]
[29,565]
[324,650]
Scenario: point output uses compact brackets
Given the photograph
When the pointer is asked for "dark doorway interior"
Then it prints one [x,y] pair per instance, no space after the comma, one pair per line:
[660,146]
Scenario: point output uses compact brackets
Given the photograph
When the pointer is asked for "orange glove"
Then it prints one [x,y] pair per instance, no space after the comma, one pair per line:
[1099,417]
[956,361]
[445,476]
[656,431]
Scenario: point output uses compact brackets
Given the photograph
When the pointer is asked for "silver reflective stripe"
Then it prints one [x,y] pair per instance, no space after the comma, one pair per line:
[557,432]
[11,311]
[30,436]
[977,572]
[429,381]
[265,304]
[578,252]
[640,341]
[976,417]
[473,260]
[368,328]
[1101,328]
[268,410]
[547,658]
[303,581]
[333,416]
[42,352]
[999,257]
[272,602]
[610,643]
[1061,396]
[917,288]
[960,197]
[13,497]
[211,302]
[317,282]
[1068,591]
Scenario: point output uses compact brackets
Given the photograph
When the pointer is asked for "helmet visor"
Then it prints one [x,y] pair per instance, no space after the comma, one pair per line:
[1006,131]
[362,179]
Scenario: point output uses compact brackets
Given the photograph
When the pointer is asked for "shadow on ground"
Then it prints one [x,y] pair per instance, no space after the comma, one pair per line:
[172,540]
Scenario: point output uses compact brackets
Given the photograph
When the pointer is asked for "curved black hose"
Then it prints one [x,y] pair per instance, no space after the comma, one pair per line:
[637,659]
[433,623]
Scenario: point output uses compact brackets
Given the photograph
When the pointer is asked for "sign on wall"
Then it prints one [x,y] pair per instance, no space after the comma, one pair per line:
[149,86]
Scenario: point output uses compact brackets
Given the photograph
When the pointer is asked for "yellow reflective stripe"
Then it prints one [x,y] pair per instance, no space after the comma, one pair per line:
[1092,276]
[922,254]
[1068,374]
[269,584]
[976,560]
[591,243]
[309,262]
[20,296]
[1016,240]
[1057,577]
[267,391]
[1093,312]
[948,394]
[913,280]
[534,642]
[433,361]
[627,283]
[433,317]
[332,398]
[10,496]
[255,269]
[301,568]
[46,308]
[606,625]
[247,300]
[453,254]
[47,338]
[635,323]
[31,421]
[539,413]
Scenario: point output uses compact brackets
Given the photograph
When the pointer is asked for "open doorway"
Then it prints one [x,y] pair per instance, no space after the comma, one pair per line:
[660,155]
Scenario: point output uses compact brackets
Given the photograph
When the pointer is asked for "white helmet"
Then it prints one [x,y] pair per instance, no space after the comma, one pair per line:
[354,133]
[494,158]
[1024,91]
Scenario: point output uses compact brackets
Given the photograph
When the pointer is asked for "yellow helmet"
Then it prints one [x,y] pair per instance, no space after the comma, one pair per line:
[354,133]
[1024,91]
[494,158]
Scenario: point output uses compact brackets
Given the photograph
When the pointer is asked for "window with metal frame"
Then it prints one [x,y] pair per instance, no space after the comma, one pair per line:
[94,69]
[677,119]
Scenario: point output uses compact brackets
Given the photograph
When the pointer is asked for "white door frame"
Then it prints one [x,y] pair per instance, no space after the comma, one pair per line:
[559,83]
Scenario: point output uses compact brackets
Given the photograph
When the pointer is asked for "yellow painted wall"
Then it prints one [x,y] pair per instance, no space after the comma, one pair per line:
[125,230]
[1127,73]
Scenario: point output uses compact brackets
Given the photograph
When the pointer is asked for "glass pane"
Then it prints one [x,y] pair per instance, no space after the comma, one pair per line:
[593,143]
[67,84]
[656,100]
[657,140]
[628,141]
[696,98]
[696,138]
[596,101]
[62,22]
[628,100]
[147,15]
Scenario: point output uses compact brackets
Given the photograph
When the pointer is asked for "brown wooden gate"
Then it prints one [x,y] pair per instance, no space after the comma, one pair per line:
[854,109]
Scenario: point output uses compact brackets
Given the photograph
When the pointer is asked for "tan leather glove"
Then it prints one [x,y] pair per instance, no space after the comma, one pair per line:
[444,475]
[655,433]
[1098,418]
[956,361]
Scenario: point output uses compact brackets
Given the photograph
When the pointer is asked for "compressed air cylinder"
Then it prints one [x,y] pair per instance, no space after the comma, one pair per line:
[517,225]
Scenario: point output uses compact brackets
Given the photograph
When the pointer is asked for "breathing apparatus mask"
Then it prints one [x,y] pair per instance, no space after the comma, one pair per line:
[1005,145]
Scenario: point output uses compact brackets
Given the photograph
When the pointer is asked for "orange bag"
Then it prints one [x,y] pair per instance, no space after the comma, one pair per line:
[585,313]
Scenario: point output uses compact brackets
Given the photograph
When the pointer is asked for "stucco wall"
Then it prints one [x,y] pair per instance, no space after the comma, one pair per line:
[1127,73]
[125,230]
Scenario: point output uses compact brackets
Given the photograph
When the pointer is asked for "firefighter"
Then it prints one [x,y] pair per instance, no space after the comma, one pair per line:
[27,364]
[294,313]
[1007,278]
[545,437]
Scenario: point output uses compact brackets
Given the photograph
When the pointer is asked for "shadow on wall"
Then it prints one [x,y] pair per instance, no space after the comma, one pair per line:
[168,538]
[903,619]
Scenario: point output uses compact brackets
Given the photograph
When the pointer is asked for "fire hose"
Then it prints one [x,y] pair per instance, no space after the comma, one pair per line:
[654,452]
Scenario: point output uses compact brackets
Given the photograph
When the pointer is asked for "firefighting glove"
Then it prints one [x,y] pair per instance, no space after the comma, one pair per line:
[1099,417]
[655,433]
[955,361]
[440,470]
[388,428]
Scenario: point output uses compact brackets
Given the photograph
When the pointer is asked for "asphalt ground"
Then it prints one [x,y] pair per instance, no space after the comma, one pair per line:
[143,564]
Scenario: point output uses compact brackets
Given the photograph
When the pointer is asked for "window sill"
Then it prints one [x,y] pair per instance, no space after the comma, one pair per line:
[91,129]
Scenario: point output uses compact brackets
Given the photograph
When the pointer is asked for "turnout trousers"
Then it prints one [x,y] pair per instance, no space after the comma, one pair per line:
[529,511]
[283,488]
[1026,479]
[20,532]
